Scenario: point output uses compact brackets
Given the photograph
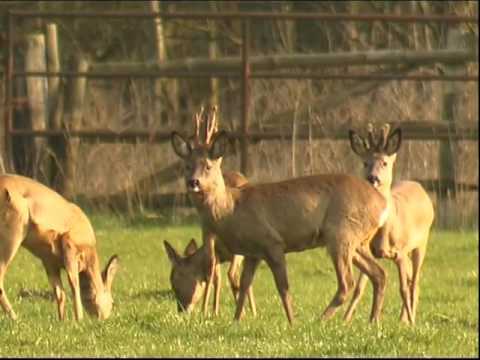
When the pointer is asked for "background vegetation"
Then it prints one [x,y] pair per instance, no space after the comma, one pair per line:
[144,104]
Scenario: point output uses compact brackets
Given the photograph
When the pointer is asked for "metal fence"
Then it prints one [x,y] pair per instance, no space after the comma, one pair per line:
[245,72]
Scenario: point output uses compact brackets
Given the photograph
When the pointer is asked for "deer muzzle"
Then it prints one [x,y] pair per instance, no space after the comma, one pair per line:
[193,185]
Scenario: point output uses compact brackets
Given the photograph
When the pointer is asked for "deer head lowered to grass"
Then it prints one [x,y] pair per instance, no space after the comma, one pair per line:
[405,234]
[190,272]
[266,221]
[61,236]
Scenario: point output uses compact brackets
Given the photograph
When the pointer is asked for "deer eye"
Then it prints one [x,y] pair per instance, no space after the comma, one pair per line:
[208,166]
[365,164]
[384,163]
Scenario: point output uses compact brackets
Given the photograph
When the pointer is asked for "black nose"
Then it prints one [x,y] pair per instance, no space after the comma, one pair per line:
[192,183]
[372,179]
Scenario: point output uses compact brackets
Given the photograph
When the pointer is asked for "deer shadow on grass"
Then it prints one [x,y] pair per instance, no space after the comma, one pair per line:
[35,294]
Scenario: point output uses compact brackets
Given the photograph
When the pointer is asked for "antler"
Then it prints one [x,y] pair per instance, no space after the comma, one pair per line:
[208,119]
[376,139]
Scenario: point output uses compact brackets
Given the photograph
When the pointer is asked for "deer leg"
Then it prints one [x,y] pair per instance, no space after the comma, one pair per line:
[8,248]
[249,266]
[343,270]
[278,266]
[233,275]
[211,272]
[217,286]
[357,295]
[71,266]
[404,314]
[251,300]
[7,307]
[402,263]
[235,283]
[417,261]
[364,260]
[56,282]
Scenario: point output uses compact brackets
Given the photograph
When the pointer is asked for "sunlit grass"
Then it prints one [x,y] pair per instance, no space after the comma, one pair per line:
[145,321]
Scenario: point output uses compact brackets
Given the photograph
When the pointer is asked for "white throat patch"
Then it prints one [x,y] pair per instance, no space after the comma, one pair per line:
[384,216]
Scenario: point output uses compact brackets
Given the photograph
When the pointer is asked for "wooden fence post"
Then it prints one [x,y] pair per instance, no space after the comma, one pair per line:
[73,120]
[35,60]
[451,101]
[244,162]
[55,103]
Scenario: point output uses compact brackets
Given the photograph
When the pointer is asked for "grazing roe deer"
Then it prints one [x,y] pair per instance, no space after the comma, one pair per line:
[187,275]
[190,273]
[405,234]
[61,236]
[266,221]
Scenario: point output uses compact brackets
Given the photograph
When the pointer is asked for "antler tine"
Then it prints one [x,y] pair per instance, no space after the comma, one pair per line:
[197,120]
[382,142]
[369,140]
[212,125]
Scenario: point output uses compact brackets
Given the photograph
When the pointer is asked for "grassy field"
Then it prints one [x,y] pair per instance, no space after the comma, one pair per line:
[145,321]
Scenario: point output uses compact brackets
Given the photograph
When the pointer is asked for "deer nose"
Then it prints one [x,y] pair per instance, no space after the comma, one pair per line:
[193,183]
[373,179]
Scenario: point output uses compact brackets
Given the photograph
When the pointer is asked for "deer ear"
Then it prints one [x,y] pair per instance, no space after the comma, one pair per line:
[172,253]
[110,271]
[191,248]
[356,143]
[219,145]
[394,141]
[181,146]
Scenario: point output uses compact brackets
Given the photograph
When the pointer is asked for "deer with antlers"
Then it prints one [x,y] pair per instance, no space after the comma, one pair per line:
[61,236]
[266,221]
[405,234]
[191,272]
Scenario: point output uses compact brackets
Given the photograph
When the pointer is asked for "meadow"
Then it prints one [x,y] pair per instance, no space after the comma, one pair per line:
[145,321]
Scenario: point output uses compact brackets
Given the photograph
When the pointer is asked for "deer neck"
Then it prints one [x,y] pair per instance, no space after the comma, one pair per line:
[91,282]
[386,191]
[217,202]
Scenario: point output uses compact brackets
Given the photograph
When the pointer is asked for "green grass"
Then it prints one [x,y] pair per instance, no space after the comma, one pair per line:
[145,321]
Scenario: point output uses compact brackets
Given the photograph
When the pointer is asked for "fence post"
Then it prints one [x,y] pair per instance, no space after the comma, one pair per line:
[35,60]
[244,165]
[73,119]
[451,102]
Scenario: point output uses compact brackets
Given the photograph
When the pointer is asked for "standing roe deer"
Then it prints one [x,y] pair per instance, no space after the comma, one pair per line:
[405,233]
[61,236]
[187,275]
[265,221]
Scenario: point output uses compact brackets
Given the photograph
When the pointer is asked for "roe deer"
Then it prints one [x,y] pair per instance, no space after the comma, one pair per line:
[234,179]
[61,236]
[265,221]
[405,233]
[190,272]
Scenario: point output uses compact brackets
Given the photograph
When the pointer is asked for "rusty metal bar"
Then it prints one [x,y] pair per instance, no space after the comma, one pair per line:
[133,136]
[244,168]
[8,96]
[366,77]
[252,16]
[253,75]
[146,74]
